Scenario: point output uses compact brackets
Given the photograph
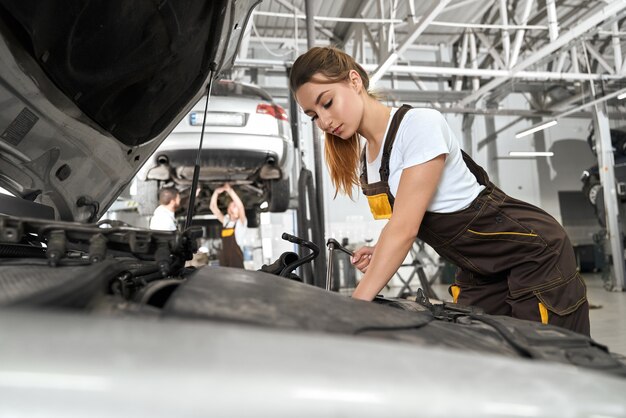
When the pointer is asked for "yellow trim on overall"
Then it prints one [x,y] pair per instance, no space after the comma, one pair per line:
[544,313]
[380,206]
[456,291]
[228,232]
[502,233]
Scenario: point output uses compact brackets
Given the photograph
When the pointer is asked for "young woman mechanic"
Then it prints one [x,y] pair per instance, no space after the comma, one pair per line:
[513,258]
[234,225]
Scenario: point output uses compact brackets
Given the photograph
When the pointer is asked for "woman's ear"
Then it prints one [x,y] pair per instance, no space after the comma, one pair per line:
[355,80]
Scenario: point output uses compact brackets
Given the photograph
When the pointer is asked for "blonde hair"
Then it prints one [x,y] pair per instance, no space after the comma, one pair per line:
[342,156]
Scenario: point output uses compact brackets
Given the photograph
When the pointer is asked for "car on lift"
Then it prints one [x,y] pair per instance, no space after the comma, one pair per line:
[101,318]
[246,142]
[592,187]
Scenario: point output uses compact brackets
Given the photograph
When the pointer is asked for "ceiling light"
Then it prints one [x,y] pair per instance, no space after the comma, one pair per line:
[536,128]
[530,154]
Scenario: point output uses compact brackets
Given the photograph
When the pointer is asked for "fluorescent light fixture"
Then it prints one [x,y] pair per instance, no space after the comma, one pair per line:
[621,96]
[530,154]
[536,128]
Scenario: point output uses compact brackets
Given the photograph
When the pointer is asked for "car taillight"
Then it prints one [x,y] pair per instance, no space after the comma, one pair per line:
[273,110]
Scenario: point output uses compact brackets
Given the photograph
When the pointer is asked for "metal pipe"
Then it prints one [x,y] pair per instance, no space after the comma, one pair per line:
[474,61]
[553,24]
[317,146]
[617,47]
[519,36]
[574,59]
[402,21]
[447,71]
[606,163]
[506,40]
[462,61]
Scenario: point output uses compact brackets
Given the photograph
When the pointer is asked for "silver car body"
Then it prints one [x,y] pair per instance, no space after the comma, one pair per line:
[261,137]
[103,367]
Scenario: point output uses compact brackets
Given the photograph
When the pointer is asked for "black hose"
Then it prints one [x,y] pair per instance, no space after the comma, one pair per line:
[315,250]
[21,251]
[306,271]
[306,190]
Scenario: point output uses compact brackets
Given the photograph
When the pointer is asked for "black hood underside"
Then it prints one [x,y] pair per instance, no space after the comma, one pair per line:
[130,66]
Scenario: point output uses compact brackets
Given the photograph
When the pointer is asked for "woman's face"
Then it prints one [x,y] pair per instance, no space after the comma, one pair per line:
[233,211]
[336,108]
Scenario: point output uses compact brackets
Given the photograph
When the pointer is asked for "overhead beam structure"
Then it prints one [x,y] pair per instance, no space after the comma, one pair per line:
[609,11]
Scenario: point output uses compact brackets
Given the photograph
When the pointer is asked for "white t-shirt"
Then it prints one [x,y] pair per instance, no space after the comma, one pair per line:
[163,219]
[240,229]
[423,135]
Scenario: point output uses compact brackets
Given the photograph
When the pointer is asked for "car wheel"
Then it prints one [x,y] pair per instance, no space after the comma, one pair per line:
[253,217]
[599,206]
[592,192]
[279,195]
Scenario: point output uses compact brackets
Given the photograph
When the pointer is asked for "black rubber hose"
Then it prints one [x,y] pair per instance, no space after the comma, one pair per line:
[21,251]
[306,271]
[315,250]
[306,190]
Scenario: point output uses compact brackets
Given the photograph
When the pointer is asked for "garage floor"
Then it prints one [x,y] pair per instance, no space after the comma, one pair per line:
[608,313]
[608,319]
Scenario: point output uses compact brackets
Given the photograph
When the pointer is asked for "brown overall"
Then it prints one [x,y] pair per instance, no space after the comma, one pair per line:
[513,258]
[231,255]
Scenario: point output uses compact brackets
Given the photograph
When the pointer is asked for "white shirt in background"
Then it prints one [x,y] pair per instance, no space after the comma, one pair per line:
[163,219]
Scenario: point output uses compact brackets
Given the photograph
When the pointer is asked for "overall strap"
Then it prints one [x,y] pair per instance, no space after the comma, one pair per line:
[389,140]
[481,175]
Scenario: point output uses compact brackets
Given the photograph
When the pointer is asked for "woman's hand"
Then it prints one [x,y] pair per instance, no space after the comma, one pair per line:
[362,257]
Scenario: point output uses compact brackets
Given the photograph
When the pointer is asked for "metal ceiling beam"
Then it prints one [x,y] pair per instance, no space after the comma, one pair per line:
[519,35]
[598,57]
[426,19]
[606,162]
[344,30]
[297,11]
[617,47]
[454,71]
[609,11]
[506,40]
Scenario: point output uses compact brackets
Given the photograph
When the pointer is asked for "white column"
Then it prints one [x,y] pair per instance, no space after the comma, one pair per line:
[606,164]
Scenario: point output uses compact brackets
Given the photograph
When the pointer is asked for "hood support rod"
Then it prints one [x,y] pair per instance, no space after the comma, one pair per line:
[196,169]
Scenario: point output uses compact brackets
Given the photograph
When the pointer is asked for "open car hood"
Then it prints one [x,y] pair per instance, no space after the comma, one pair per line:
[90,89]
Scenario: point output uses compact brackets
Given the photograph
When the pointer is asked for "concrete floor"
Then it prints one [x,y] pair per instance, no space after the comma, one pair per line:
[608,314]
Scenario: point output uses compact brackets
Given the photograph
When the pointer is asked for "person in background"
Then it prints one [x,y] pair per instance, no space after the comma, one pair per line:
[514,258]
[234,225]
[164,218]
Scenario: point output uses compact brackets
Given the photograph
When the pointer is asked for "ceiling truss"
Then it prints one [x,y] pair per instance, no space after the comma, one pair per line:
[458,53]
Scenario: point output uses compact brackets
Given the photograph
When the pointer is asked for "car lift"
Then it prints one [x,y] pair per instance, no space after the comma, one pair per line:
[419,259]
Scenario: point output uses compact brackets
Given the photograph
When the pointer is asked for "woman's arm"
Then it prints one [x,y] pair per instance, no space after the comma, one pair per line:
[417,187]
[213,205]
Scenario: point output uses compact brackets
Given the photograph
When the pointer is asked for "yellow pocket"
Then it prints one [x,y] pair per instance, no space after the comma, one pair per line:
[380,206]
[543,312]
[455,291]
[228,232]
